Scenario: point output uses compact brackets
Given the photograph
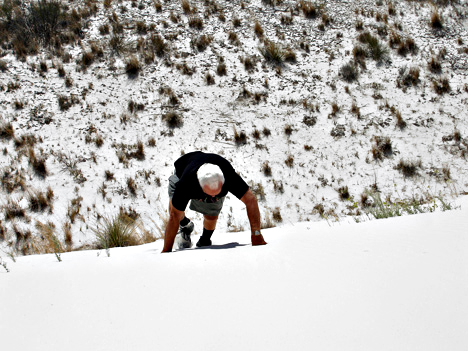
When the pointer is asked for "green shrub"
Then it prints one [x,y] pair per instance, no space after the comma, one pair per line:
[117,231]
[375,49]
[273,53]
[349,72]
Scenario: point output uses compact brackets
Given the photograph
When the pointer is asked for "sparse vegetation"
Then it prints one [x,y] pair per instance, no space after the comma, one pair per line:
[382,147]
[256,80]
[408,168]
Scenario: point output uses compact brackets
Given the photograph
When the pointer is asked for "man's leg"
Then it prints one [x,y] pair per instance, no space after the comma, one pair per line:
[209,225]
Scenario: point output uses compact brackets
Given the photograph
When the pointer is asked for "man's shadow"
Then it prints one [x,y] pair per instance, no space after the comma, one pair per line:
[232,245]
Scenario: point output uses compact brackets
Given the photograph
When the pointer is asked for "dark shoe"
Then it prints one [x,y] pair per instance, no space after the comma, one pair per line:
[203,242]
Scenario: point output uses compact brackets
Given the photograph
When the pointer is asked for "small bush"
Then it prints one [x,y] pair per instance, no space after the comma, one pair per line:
[195,22]
[240,138]
[273,53]
[276,214]
[172,119]
[308,9]
[3,66]
[309,121]
[266,169]
[349,72]
[132,187]
[40,201]
[13,210]
[436,21]
[382,147]
[434,65]
[343,193]
[375,49]
[258,30]
[6,131]
[221,69]
[118,231]
[202,42]
[408,168]
[289,161]
[209,79]
[408,76]
[132,66]
[441,86]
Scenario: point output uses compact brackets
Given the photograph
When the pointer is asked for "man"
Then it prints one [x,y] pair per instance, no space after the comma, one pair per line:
[204,180]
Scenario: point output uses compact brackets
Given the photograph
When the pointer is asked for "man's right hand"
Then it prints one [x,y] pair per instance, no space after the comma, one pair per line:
[257,240]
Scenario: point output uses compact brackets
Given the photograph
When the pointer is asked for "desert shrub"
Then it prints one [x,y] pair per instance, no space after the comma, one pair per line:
[434,65]
[117,231]
[236,22]
[308,9]
[40,201]
[309,121]
[202,42]
[408,168]
[209,79]
[65,102]
[13,210]
[408,76]
[290,56]
[186,7]
[401,123]
[258,30]
[273,53]
[132,66]
[195,22]
[43,67]
[382,147]
[375,48]
[141,27]
[240,138]
[343,193]
[118,44]
[132,187]
[249,63]
[6,131]
[266,169]
[359,25]
[104,29]
[349,72]
[276,214]
[407,46]
[39,166]
[185,69]
[109,175]
[3,66]
[441,85]
[221,69]
[436,21]
[172,119]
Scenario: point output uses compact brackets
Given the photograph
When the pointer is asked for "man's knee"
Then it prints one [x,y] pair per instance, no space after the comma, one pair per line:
[211,218]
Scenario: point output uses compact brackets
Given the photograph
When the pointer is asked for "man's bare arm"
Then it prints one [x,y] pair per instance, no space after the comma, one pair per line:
[253,213]
[175,216]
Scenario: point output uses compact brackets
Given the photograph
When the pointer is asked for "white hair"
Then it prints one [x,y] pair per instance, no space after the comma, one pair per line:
[210,175]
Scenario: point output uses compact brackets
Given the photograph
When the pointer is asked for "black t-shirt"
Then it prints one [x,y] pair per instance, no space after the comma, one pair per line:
[188,186]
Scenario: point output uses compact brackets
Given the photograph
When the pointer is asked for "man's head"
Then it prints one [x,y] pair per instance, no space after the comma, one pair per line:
[211,179]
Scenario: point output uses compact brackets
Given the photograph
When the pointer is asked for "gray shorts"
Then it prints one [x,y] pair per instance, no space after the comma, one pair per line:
[206,208]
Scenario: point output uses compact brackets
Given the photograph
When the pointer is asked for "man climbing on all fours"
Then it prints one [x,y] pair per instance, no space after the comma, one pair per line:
[204,180]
